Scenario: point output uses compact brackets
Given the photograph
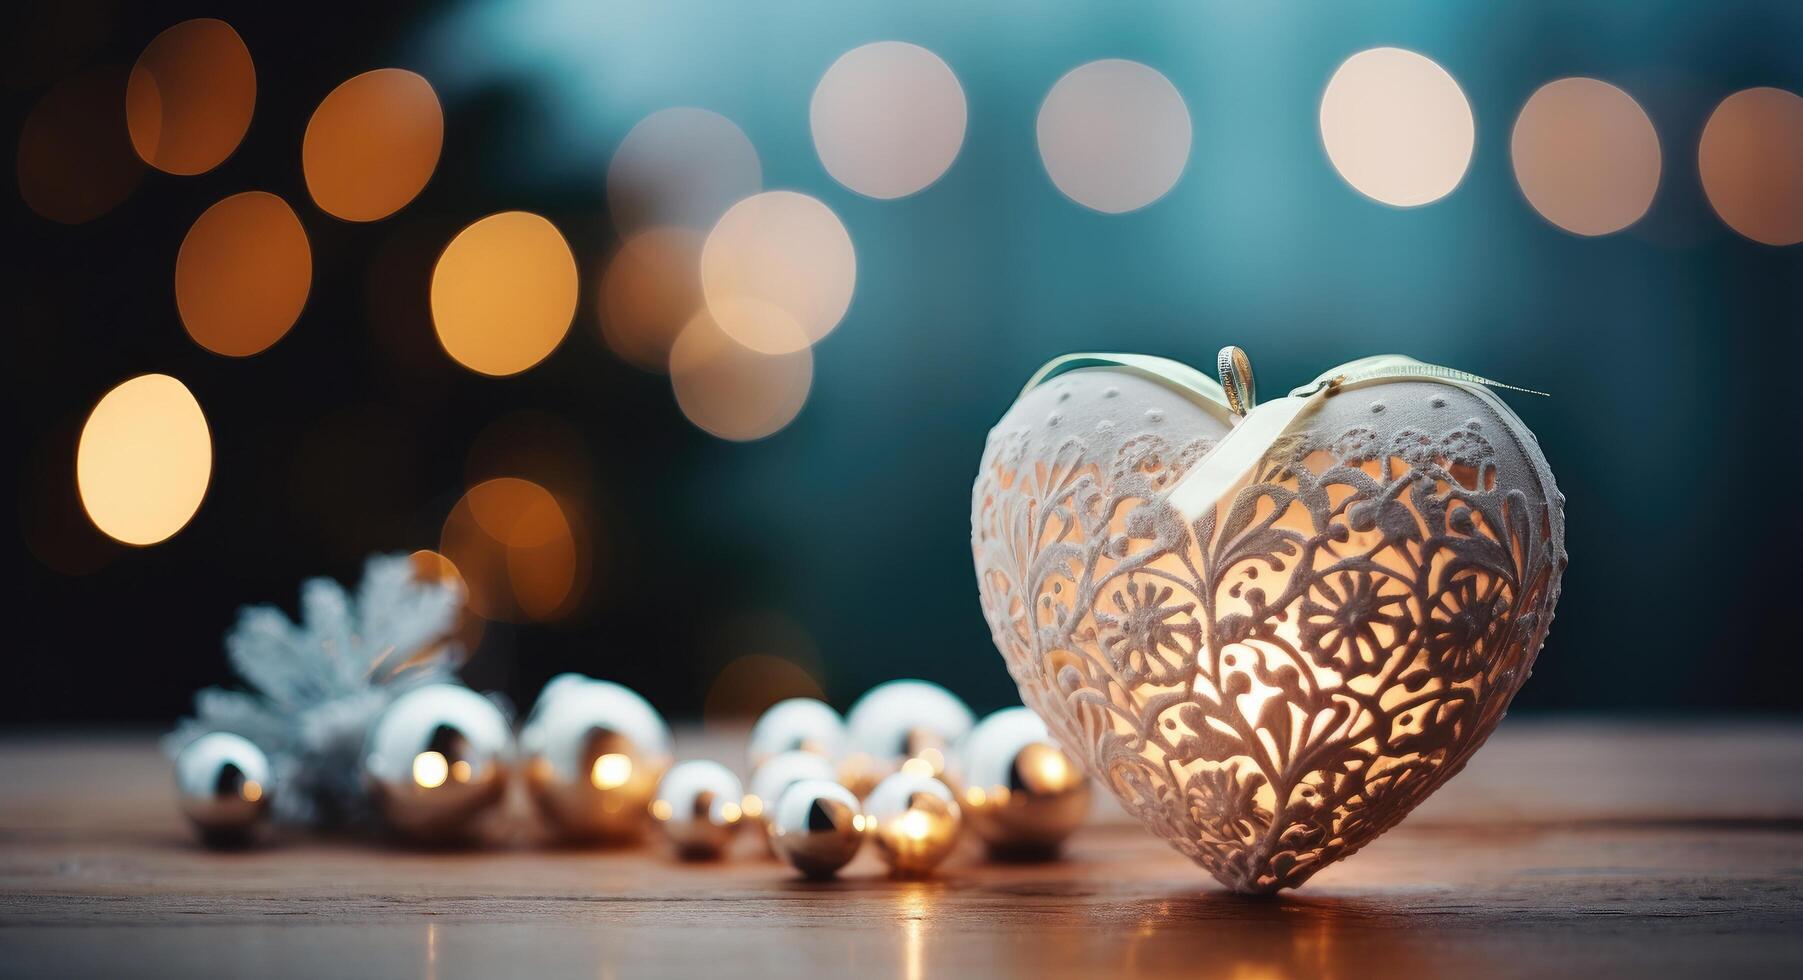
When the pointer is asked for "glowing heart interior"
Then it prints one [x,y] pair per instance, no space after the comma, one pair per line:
[1273,685]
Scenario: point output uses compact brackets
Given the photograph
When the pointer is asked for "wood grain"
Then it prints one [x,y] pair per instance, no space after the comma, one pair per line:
[1567,849]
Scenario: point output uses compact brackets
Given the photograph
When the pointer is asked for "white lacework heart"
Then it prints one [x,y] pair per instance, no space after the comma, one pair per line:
[1273,685]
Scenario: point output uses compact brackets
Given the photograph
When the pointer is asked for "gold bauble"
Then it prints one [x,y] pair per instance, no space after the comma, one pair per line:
[905,725]
[435,759]
[914,820]
[1018,789]
[594,751]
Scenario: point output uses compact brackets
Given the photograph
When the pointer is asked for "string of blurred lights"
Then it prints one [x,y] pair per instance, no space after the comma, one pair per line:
[726,285]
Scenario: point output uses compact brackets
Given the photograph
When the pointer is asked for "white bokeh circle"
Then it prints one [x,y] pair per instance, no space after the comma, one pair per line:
[1114,135]
[681,167]
[1586,156]
[778,271]
[732,391]
[888,119]
[1397,127]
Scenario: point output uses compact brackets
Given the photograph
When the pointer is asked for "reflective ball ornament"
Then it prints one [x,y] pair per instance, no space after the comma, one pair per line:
[777,774]
[817,826]
[915,821]
[224,786]
[1020,792]
[698,808]
[906,724]
[593,752]
[435,759]
[797,725]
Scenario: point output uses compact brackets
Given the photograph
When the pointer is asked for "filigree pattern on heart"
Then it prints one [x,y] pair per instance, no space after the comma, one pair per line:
[1275,684]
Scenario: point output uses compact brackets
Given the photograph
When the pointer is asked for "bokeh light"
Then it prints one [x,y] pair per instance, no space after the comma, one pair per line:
[144,459]
[778,271]
[504,293]
[515,549]
[766,656]
[680,166]
[242,274]
[191,96]
[544,450]
[732,391]
[1114,135]
[649,292]
[888,119]
[430,769]
[1586,156]
[750,684]
[1751,162]
[75,162]
[1397,127]
[372,144]
[430,566]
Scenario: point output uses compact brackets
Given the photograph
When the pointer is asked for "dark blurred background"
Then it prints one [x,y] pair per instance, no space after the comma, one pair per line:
[715,575]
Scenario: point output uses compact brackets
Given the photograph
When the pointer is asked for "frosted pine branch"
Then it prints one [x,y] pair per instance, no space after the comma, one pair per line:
[315,687]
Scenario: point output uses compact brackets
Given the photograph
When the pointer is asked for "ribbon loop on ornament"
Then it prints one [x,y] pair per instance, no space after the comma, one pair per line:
[1235,370]
[1175,375]
[1256,428]
[1384,366]
[1240,450]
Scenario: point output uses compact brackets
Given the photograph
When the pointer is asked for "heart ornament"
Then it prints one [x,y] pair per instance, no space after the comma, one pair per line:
[1271,630]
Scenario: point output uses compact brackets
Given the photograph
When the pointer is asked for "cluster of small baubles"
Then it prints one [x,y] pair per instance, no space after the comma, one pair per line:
[593,754]
[699,808]
[440,755]
[224,784]
[900,728]
[1020,792]
[436,759]
[908,726]
[596,761]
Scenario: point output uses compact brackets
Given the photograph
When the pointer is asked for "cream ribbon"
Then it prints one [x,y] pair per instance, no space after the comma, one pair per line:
[1175,375]
[1261,425]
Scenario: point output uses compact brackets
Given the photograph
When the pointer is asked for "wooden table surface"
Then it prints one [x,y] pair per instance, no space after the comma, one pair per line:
[1567,848]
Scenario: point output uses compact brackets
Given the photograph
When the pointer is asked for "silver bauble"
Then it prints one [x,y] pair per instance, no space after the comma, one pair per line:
[436,758]
[817,826]
[907,724]
[776,775]
[915,821]
[797,724]
[593,752]
[698,807]
[1019,791]
[224,785]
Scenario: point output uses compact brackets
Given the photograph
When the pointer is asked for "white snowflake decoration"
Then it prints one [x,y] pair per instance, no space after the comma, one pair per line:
[317,686]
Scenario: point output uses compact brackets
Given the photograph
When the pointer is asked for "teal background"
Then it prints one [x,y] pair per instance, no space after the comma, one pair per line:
[1670,349]
[1662,345]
